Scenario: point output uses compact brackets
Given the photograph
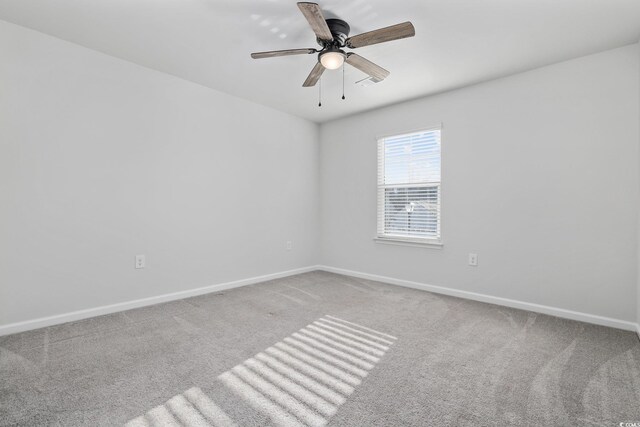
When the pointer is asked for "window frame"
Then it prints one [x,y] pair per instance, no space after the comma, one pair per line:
[381,237]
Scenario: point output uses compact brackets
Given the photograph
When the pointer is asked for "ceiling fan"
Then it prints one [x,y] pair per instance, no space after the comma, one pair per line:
[333,35]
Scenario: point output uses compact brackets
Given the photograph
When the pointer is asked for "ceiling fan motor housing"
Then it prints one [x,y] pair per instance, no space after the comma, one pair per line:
[339,30]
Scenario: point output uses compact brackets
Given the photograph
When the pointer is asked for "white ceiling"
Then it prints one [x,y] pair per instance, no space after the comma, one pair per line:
[457,43]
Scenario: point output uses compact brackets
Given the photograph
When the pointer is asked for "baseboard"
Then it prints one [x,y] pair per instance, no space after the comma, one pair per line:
[42,322]
[552,311]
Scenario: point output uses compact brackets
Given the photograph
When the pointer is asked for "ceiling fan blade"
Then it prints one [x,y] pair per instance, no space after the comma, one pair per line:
[375,71]
[287,52]
[394,32]
[314,15]
[314,75]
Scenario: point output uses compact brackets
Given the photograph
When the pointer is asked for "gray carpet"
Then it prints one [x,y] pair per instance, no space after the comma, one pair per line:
[321,349]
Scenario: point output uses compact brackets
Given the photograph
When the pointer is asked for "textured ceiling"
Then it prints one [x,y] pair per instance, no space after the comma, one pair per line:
[457,43]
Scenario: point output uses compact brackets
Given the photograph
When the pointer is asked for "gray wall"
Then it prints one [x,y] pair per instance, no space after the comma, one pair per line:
[101,159]
[540,179]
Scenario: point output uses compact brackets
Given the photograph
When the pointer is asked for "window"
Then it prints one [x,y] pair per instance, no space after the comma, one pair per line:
[409,187]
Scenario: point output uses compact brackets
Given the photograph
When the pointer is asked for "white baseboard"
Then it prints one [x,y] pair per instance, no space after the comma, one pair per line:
[544,309]
[42,322]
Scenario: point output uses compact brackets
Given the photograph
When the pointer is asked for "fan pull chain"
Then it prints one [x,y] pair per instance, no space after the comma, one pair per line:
[343,81]
[320,92]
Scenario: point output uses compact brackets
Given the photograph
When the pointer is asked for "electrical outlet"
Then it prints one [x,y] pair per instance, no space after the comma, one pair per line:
[141,262]
[473,260]
[288,246]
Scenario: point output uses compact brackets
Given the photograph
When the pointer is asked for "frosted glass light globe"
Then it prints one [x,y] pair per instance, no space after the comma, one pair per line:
[332,60]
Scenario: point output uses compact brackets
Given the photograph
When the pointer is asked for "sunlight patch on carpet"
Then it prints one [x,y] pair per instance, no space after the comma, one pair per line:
[299,381]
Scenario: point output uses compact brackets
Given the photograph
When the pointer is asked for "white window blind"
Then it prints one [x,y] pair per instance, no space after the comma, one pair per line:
[409,187]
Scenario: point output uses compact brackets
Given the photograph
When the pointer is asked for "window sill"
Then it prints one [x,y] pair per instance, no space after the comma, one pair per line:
[407,242]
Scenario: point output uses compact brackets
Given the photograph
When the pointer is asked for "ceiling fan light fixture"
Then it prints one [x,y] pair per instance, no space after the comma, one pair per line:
[333,35]
[332,59]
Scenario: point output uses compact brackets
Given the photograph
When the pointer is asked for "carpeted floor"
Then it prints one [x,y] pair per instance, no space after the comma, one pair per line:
[321,349]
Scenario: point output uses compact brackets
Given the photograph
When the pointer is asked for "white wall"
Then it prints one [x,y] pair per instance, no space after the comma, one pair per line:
[101,159]
[540,178]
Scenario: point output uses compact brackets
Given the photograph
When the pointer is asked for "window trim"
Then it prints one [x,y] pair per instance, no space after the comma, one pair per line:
[400,241]
[424,242]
